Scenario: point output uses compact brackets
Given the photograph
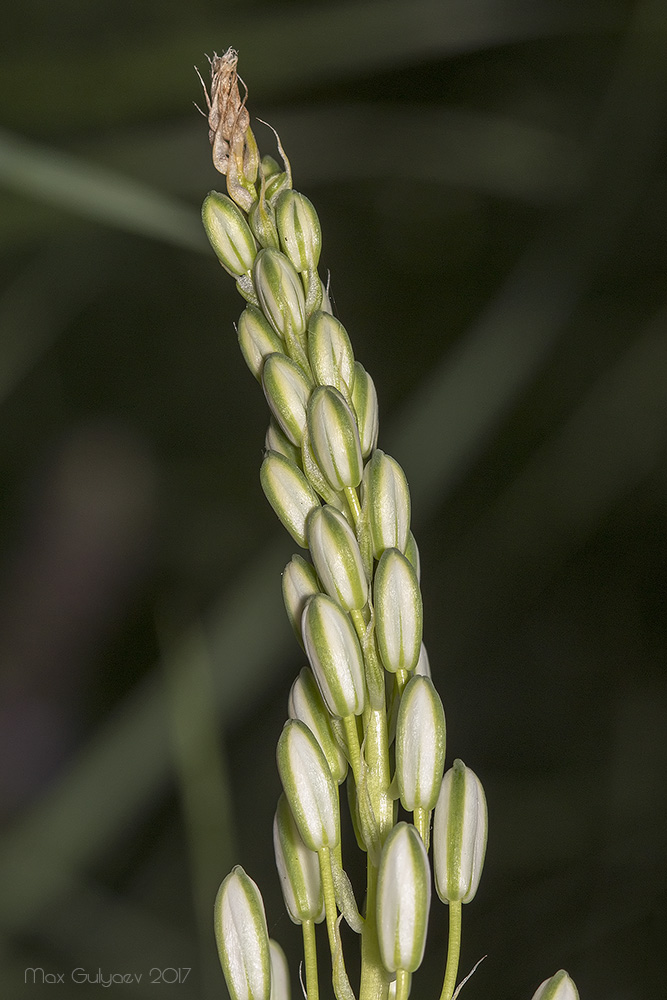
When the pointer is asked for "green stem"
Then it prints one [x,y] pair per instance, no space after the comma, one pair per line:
[402,678]
[374,980]
[402,984]
[352,735]
[422,820]
[453,950]
[329,896]
[353,503]
[310,956]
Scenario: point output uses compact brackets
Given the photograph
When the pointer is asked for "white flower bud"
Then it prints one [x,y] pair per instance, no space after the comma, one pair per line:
[459,834]
[330,353]
[335,553]
[228,233]
[280,981]
[298,868]
[420,745]
[398,612]
[388,497]
[305,704]
[242,938]
[257,339]
[365,403]
[289,493]
[559,987]
[287,390]
[412,555]
[276,440]
[262,221]
[335,656]
[317,478]
[403,899]
[334,437]
[299,583]
[308,785]
[299,230]
[280,294]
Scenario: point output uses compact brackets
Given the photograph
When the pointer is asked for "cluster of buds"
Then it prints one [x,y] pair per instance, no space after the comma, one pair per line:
[363,710]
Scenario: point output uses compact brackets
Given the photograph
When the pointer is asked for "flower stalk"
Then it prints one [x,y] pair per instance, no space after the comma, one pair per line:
[354,602]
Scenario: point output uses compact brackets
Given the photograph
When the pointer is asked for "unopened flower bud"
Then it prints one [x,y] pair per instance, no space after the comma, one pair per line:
[403,899]
[420,745]
[335,553]
[299,584]
[280,294]
[330,353]
[242,938]
[262,221]
[317,478]
[228,233]
[388,503]
[305,703]
[334,437]
[559,987]
[412,554]
[257,339]
[398,612]
[276,440]
[335,656]
[299,230]
[308,785]
[298,868]
[289,493]
[287,390]
[365,403]
[280,979]
[459,834]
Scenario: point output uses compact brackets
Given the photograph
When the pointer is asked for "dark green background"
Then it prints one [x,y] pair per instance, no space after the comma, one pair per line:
[490,178]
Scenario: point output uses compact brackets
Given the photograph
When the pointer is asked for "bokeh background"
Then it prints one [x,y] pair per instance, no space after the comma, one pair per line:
[490,177]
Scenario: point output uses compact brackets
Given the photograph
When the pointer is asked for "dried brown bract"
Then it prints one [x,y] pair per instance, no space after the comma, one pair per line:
[234,147]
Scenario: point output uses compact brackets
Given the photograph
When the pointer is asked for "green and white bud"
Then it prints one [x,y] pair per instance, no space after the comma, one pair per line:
[559,987]
[423,668]
[334,437]
[330,353]
[334,653]
[299,584]
[228,233]
[280,981]
[276,440]
[299,230]
[257,339]
[412,555]
[317,478]
[280,294]
[287,390]
[420,745]
[398,612]
[262,221]
[310,790]
[305,704]
[459,834]
[335,553]
[403,899]
[289,493]
[365,403]
[298,868]
[242,937]
[388,496]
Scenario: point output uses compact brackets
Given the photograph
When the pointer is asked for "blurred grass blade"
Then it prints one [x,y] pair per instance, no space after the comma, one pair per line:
[97,194]
[280,51]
